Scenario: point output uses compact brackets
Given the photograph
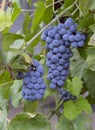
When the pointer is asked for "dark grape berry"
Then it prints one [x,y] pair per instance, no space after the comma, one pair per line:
[33,84]
[20,75]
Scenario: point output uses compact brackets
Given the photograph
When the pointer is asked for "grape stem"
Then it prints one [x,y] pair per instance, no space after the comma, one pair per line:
[59,1]
[33,38]
[55,110]
[3,4]
[81,13]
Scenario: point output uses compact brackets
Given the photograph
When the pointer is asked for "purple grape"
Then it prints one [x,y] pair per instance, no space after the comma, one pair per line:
[62,49]
[68,23]
[49,40]
[72,38]
[66,37]
[52,86]
[60,83]
[54,59]
[73,28]
[63,31]
[43,37]
[74,44]
[78,37]
[55,72]
[81,43]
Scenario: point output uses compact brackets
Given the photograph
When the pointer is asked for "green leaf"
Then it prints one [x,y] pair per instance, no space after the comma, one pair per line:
[92,40]
[16,1]
[26,24]
[86,21]
[40,8]
[75,86]
[84,6]
[48,2]
[27,121]
[16,11]
[3,81]
[5,20]
[67,3]
[73,109]
[8,39]
[40,15]
[3,113]
[91,58]
[23,54]
[5,84]
[30,106]
[89,78]
[82,122]
[16,95]
[78,65]
[92,5]
[70,110]
[92,28]
[30,48]
[83,105]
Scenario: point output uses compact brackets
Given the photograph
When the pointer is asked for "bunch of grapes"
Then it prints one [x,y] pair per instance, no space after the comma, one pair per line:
[33,84]
[59,40]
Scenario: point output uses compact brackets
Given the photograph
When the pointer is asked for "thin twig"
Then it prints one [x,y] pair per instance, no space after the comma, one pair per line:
[81,13]
[33,38]
[55,110]
[3,4]
[74,11]
[54,3]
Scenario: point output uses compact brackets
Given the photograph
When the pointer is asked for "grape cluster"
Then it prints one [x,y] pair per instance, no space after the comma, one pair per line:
[59,40]
[33,84]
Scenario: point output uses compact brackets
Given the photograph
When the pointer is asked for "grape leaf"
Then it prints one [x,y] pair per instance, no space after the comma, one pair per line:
[27,121]
[67,3]
[41,15]
[8,39]
[26,24]
[40,8]
[82,122]
[16,11]
[84,6]
[86,21]
[30,106]
[75,86]
[83,105]
[78,65]
[3,81]
[16,93]
[23,54]
[3,113]
[5,20]
[70,110]
[91,58]
[92,5]
[73,109]
[92,40]
[5,84]
[89,78]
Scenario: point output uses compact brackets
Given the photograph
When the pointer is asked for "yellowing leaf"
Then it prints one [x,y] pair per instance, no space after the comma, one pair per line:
[5,20]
